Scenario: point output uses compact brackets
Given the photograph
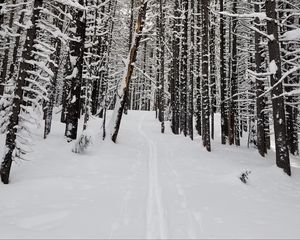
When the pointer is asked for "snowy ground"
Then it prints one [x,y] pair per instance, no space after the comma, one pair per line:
[148,185]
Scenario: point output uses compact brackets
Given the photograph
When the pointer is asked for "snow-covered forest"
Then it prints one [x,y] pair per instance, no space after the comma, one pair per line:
[149,118]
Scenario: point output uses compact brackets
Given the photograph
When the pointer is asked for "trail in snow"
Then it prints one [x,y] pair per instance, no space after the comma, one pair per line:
[149,185]
[155,211]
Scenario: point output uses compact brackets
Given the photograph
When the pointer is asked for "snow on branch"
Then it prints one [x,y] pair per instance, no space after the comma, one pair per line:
[261,15]
[71,3]
[291,35]
[284,76]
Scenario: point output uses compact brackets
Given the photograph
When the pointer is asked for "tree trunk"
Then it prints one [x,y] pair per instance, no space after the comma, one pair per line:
[11,136]
[1,15]
[213,90]
[17,44]
[3,75]
[77,52]
[233,129]
[198,91]
[191,81]
[127,104]
[123,91]
[52,93]
[260,101]
[223,85]
[162,67]
[175,103]
[205,77]
[184,69]
[282,153]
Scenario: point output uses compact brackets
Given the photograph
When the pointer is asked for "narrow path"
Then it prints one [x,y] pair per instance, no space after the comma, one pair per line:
[149,185]
[156,227]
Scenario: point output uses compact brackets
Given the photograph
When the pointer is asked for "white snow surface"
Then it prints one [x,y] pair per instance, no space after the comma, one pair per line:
[148,185]
[291,35]
[273,67]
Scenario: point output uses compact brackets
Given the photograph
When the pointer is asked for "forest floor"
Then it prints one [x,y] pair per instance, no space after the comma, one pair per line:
[148,185]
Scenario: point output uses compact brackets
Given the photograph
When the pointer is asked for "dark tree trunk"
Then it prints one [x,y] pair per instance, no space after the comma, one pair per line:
[223,85]
[191,70]
[213,90]
[162,67]
[77,52]
[198,69]
[260,101]
[175,103]
[282,153]
[233,129]
[205,79]
[97,83]
[127,104]
[3,75]
[11,136]
[132,58]
[17,44]
[1,15]
[184,69]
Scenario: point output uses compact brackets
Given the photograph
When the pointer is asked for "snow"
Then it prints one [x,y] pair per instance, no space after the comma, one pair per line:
[291,35]
[149,185]
[273,67]
[73,99]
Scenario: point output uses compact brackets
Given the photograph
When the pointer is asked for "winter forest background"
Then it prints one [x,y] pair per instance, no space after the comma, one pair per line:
[74,73]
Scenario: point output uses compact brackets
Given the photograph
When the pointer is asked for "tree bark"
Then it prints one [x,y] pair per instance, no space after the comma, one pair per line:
[123,93]
[184,69]
[205,77]
[77,52]
[175,103]
[223,85]
[11,136]
[191,70]
[3,75]
[282,153]
[260,103]
[162,67]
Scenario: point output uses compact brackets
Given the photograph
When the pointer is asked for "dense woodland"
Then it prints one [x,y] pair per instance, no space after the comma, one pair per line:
[184,59]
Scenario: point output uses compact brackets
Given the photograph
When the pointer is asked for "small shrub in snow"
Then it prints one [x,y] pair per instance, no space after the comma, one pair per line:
[244,176]
[82,143]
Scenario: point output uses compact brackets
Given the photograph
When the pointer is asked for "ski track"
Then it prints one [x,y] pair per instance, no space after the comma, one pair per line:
[155,220]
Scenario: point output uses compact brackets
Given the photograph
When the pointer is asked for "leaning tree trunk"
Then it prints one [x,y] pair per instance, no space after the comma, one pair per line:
[123,90]
[282,153]
[11,136]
